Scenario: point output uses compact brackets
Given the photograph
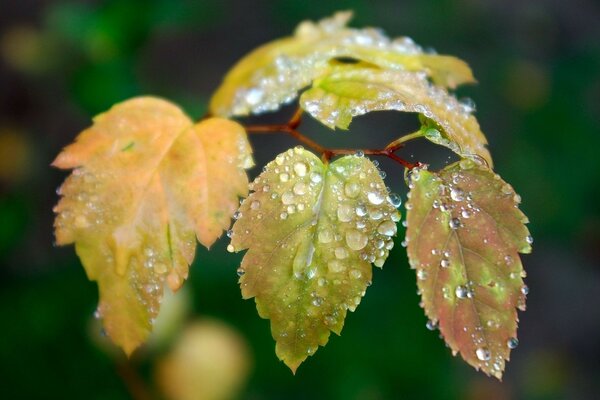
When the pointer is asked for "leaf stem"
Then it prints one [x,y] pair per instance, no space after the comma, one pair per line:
[326,153]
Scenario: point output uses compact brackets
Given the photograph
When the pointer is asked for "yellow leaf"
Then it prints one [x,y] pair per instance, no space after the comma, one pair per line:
[348,91]
[273,74]
[146,183]
[312,232]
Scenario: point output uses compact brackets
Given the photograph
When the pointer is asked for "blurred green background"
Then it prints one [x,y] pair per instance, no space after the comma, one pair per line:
[538,101]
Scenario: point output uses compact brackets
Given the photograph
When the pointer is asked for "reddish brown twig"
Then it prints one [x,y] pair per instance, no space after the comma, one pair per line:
[326,154]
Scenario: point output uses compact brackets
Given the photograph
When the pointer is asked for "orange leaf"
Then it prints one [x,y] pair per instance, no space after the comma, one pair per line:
[146,183]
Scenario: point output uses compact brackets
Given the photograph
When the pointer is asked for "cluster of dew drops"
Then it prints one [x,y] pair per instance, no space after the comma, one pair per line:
[364,221]
[461,205]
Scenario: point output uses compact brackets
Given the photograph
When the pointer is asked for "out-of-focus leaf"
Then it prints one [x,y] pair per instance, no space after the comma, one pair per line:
[465,233]
[210,361]
[348,91]
[274,73]
[146,183]
[312,231]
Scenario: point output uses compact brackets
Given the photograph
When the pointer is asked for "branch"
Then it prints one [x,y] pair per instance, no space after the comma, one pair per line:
[326,154]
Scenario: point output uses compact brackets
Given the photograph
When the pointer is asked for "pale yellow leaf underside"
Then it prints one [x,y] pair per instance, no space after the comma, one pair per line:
[146,183]
[312,231]
[348,91]
[274,73]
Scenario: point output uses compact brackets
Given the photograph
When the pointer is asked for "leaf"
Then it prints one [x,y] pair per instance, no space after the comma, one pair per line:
[273,74]
[311,231]
[146,183]
[464,235]
[348,91]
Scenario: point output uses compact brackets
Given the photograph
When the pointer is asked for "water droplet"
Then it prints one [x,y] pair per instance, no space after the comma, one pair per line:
[375,198]
[454,223]
[317,301]
[359,153]
[341,253]
[280,159]
[445,263]
[525,290]
[284,177]
[241,271]
[325,236]
[461,292]
[465,214]
[283,215]
[229,233]
[237,215]
[336,266]
[457,194]
[300,168]
[395,200]
[512,343]
[483,354]
[431,325]
[300,188]
[361,210]
[287,198]
[315,177]
[345,212]
[421,274]
[355,274]
[387,228]
[352,189]
[529,239]
[255,205]
[356,240]
[230,248]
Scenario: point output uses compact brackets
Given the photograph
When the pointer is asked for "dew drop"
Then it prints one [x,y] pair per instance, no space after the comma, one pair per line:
[355,274]
[241,271]
[454,223]
[356,240]
[525,290]
[283,215]
[315,177]
[345,212]
[341,253]
[317,301]
[395,200]
[529,239]
[229,233]
[361,210]
[387,228]
[375,198]
[230,248]
[287,198]
[237,215]
[255,205]
[431,325]
[352,189]
[300,168]
[483,354]
[457,194]
[284,177]
[421,274]
[512,343]
[325,236]
[445,263]
[300,188]
[461,292]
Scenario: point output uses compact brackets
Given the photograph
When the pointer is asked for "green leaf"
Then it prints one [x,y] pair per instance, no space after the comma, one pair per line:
[146,183]
[465,233]
[274,73]
[351,90]
[312,231]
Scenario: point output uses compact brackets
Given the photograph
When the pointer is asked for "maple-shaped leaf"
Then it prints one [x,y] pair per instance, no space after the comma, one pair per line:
[464,235]
[274,73]
[312,232]
[347,91]
[146,183]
